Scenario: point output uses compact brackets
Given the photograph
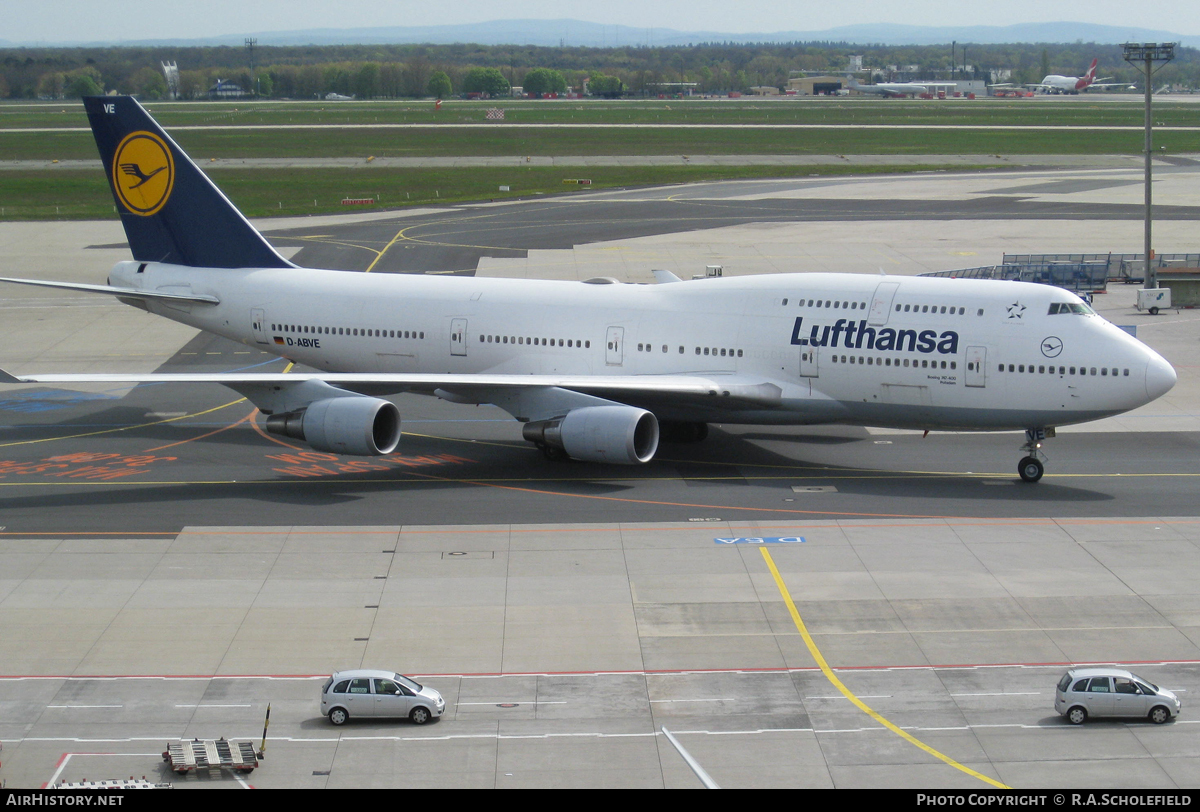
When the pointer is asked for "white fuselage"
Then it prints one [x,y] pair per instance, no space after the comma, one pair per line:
[1064,84]
[846,348]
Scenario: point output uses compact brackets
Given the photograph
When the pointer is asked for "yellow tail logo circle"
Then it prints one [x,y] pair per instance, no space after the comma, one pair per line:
[143,173]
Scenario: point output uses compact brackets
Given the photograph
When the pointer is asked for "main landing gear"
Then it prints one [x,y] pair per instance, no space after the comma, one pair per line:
[1031,467]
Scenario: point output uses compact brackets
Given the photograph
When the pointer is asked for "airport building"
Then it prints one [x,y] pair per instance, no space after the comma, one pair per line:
[817,85]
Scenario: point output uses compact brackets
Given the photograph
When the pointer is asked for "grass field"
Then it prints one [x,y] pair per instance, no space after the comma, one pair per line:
[84,195]
[228,132]
[831,111]
[511,140]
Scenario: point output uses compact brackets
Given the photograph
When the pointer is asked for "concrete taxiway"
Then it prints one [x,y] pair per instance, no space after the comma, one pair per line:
[166,570]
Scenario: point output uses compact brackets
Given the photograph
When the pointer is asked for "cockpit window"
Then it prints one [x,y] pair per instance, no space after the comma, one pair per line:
[1061,308]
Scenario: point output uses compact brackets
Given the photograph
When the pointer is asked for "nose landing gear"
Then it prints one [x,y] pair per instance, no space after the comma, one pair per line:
[1031,468]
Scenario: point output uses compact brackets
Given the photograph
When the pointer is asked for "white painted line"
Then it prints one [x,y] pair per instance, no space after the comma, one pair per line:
[720,699]
[514,702]
[67,758]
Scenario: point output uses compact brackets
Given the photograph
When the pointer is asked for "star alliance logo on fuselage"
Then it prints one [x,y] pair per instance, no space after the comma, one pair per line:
[143,173]
[858,336]
[1016,310]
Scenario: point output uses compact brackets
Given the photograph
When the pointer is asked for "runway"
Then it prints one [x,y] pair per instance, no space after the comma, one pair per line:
[167,569]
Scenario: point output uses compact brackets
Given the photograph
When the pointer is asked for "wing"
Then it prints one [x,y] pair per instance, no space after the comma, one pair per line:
[527,397]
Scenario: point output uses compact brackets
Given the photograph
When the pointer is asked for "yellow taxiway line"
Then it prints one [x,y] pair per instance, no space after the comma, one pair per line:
[846,692]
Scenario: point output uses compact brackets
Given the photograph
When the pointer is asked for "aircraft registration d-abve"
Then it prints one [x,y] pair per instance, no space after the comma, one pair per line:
[599,370]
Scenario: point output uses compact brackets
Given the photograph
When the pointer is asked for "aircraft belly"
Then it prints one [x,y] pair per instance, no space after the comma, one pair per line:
[966,418]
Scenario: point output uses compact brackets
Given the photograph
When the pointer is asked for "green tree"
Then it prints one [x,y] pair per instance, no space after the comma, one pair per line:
[52,85]
[191,84]
[439,85]
[610,87]
[488,81]
[366,81]
[148,84]
[416,75]
[544,80]
[391,79]
[84,82]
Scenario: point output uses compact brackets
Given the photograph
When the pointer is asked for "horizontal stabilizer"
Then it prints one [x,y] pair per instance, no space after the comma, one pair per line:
[125,293]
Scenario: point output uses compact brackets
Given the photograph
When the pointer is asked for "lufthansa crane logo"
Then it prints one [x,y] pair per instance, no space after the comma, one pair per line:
[1052,346]
[143,173]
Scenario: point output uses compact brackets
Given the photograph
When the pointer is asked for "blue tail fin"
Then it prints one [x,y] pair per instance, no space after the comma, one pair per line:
[170,209]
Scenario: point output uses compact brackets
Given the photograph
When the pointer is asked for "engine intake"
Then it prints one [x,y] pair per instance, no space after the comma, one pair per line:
[615,434]
[361,426]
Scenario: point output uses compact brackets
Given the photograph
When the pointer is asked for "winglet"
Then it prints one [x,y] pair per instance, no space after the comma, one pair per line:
[662,277]
[6,378]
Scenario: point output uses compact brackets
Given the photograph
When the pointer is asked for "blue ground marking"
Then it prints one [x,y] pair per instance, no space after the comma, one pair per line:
[762,540]
[48,400]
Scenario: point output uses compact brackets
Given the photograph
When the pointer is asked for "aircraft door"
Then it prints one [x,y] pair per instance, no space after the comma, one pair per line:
[458,336]
[614,349]
[808,361]
[258,318]
[881,303]
[976,374]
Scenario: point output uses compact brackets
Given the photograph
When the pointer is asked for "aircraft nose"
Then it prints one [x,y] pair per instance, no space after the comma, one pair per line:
[1160,376]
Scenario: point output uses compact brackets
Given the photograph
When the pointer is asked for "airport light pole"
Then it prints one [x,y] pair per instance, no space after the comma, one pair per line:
[1144,55]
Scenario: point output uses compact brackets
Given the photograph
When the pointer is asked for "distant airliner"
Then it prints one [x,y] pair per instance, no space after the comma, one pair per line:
[598,370]
[901,88]
[1054,83]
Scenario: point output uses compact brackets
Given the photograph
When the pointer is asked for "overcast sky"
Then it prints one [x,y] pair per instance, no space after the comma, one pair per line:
[52,21]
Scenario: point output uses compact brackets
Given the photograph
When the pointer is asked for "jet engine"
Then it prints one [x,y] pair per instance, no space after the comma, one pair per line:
[361,426]
[613,434]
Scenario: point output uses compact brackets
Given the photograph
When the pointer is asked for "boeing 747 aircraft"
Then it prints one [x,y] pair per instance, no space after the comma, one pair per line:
[598,370]
[1055,83]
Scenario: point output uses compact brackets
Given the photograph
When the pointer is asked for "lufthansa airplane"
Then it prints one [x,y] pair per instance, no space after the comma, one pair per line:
[599,370]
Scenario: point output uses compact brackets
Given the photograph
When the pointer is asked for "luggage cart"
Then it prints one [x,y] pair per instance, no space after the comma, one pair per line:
[210,754]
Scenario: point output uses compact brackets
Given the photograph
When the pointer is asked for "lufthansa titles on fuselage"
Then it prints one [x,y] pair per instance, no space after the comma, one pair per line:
[857,336]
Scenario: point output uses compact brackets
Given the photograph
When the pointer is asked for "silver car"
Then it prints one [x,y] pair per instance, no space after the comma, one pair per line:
[378,694]
[1084,692]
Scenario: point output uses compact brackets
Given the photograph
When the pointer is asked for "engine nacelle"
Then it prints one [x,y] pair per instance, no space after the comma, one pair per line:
[361,426]
[615,434]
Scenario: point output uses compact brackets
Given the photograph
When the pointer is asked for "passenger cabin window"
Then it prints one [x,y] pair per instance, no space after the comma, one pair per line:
[360,686]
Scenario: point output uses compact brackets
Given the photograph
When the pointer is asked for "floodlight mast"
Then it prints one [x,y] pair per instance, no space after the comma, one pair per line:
[1148,53]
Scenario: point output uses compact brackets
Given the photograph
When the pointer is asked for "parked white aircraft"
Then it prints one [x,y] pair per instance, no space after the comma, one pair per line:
[894,89]
[599,370]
